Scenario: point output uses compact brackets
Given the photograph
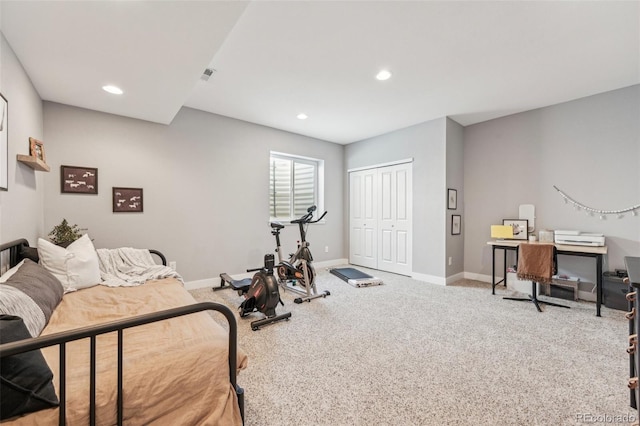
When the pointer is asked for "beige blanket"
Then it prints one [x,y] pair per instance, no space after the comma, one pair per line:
[176,372]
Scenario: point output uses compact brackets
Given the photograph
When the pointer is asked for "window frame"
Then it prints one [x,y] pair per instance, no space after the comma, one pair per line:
[318,190]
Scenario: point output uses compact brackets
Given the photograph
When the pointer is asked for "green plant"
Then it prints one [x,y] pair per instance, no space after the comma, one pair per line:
[64,234]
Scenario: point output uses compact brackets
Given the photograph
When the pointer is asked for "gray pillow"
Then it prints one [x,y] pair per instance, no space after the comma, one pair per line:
[25,379]
[32,293]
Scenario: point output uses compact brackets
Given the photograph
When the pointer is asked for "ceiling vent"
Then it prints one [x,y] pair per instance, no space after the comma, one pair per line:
[207,73]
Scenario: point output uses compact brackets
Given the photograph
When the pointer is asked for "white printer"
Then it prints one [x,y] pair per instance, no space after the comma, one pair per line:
[577,238]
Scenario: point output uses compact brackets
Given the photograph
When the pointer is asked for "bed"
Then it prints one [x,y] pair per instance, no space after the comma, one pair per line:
[145,354]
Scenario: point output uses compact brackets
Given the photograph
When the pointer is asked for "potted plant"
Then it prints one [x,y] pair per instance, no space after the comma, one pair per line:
[64,234]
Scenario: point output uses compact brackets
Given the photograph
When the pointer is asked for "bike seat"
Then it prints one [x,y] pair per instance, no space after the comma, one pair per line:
[276,225]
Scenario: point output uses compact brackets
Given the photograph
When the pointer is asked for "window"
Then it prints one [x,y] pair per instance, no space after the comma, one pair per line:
[294,184]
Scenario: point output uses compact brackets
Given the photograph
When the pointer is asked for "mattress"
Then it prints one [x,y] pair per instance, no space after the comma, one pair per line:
[175,371]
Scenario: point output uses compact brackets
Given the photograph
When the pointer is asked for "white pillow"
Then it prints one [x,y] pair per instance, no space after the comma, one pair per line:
[75,266]
[11,271]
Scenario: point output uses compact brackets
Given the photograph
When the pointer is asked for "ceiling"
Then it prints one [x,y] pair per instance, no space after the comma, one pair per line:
[471,61]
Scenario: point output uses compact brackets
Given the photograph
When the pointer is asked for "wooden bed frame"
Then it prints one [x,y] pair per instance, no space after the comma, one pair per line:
[10,255]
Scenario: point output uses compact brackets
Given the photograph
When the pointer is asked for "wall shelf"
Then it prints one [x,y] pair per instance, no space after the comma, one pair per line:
[33,162]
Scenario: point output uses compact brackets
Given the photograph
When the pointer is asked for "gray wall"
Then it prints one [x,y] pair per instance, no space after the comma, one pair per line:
[455,180]
[425,143]
[205,181]
[589,148]
[21,206]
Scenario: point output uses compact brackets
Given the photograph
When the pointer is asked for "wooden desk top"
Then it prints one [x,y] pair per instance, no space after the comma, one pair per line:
[561,247]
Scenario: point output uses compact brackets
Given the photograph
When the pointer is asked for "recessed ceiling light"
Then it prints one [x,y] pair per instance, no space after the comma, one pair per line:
[383,75]
[302,116]
[112,89]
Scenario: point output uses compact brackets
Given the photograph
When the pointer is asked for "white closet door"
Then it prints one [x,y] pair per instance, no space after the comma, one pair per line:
[380,218]
[363,218]
[394,223]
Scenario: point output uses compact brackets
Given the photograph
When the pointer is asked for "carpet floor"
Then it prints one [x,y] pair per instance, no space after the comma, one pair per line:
[413,353]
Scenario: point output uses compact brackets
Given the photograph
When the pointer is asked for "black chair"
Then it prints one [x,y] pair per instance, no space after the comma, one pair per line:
[522,264]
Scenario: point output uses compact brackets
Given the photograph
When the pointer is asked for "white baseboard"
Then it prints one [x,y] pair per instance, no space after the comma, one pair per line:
[429,278]
[479,277]
[215,282]
[512,282]
[453,278]
[207,282]
[329,263]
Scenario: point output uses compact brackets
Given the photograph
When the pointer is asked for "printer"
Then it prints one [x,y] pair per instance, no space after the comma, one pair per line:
[577,238]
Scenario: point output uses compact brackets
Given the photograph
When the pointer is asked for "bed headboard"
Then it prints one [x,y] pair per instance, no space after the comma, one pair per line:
[13,252]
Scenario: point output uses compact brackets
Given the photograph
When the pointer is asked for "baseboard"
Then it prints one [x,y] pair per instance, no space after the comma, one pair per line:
[215,282]
[207,282]
[329,263]
[479,277]
[453,278]
[429,278]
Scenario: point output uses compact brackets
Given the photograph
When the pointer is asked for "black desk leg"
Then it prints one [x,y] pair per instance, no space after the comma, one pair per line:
[598,284]
[493,269]
[504,267]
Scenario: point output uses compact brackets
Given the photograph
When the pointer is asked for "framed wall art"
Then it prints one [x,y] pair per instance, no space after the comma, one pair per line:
[127,200]
[452,199]
[456,224]
[36,149]
[78,180]
[4,143]
[519,226]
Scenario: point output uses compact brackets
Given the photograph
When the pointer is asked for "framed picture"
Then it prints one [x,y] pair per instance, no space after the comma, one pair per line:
[456,224]
[519,226]
[78,180]
[127,200]
[4,143]
[452,199]
[36,148]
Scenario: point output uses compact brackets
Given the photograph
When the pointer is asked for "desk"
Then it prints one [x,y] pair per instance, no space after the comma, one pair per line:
[583,251]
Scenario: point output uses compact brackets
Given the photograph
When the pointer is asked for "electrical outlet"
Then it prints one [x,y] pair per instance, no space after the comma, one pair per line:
[450,260]
[326,249]
[172,265]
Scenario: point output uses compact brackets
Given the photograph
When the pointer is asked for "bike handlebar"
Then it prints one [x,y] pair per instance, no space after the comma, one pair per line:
[307,217]
[320,218]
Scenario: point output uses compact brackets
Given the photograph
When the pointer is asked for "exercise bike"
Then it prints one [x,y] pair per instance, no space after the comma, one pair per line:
[261,294]
[297,272]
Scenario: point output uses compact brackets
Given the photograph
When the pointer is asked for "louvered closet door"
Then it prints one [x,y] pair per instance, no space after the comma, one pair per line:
[363,218]
[394,219]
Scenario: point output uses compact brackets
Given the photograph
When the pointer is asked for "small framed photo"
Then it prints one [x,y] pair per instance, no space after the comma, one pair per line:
[78,180]
[520,227]
[456,224]
[452,199]
[127,200]
[36,148]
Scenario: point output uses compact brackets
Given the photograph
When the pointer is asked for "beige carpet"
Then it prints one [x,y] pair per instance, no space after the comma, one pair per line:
[414,353]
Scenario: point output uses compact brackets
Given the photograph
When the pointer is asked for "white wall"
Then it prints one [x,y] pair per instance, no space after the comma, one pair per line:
[205,182]
[21,206]
[589,148]
[425,143]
